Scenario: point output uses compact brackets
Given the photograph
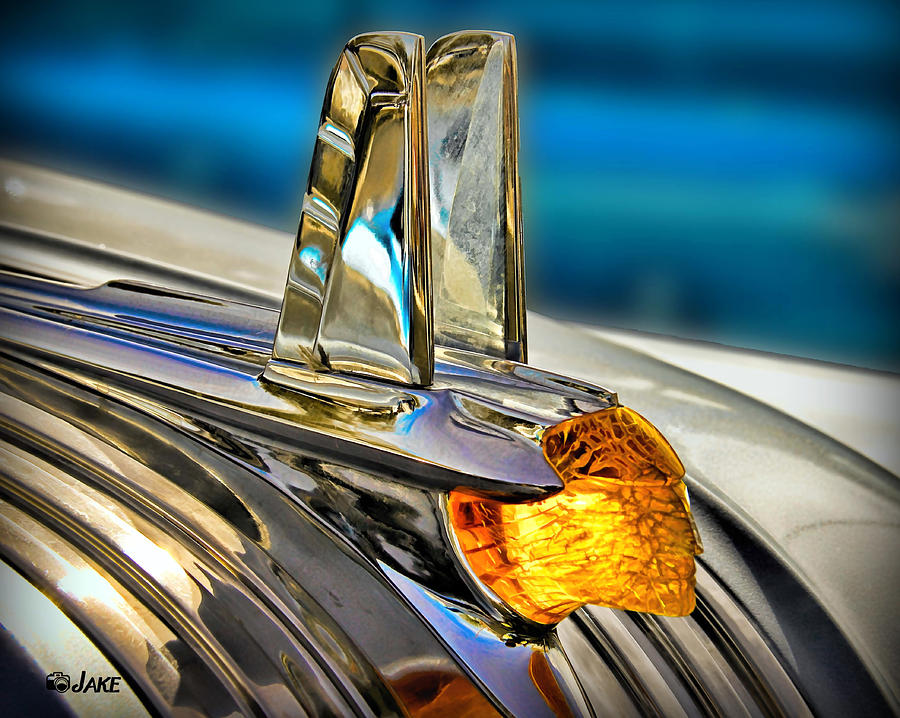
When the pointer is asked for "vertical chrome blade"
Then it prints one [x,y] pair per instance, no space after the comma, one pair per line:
[358,295]
[360,298]
[476,223]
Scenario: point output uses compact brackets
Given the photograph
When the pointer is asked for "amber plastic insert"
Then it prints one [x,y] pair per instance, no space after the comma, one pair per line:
[439,693]
[619,534]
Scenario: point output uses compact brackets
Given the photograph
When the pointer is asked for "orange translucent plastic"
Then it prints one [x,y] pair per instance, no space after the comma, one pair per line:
[619,534]
[438,693]
[544,680]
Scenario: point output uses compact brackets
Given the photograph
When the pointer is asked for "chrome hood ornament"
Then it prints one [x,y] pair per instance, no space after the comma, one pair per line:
[411,237]
[405,242]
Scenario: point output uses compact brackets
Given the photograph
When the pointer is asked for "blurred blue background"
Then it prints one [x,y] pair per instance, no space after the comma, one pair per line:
[727,171]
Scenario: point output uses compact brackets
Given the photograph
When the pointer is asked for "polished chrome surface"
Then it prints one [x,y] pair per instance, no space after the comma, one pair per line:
[713,663]
[358,296]
[251,550]
[208,353]
[201,562]
[159,388]
[48,640]
[476,217]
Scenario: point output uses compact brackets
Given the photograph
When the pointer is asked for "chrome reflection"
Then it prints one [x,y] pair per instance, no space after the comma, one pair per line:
[488,412]
[231,476]
[358,296]
[163,576]
[56,644]
[476,217]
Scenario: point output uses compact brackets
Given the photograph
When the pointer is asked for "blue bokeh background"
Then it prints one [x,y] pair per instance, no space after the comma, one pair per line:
[724,171]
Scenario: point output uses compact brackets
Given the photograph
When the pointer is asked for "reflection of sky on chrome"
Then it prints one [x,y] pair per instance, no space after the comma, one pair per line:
[405,422]
[56,644]
[337,138]
[325,207]
[85,584]
[311,257]
[372,249]
[154,561]
[158,563]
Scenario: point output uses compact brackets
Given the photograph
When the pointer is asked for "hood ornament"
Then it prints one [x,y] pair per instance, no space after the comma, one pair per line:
[410,238]
[406,241]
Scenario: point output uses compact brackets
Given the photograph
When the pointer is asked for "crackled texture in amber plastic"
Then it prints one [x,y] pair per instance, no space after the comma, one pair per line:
[619,534]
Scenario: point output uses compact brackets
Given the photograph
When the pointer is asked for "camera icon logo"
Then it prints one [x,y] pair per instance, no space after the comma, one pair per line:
[58,681]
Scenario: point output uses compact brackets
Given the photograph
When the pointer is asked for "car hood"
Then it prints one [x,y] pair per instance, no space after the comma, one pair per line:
[830,514]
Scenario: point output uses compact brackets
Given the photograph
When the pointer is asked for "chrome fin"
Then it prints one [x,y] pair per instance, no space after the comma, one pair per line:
[360,299]
[476,217]
[358,295]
